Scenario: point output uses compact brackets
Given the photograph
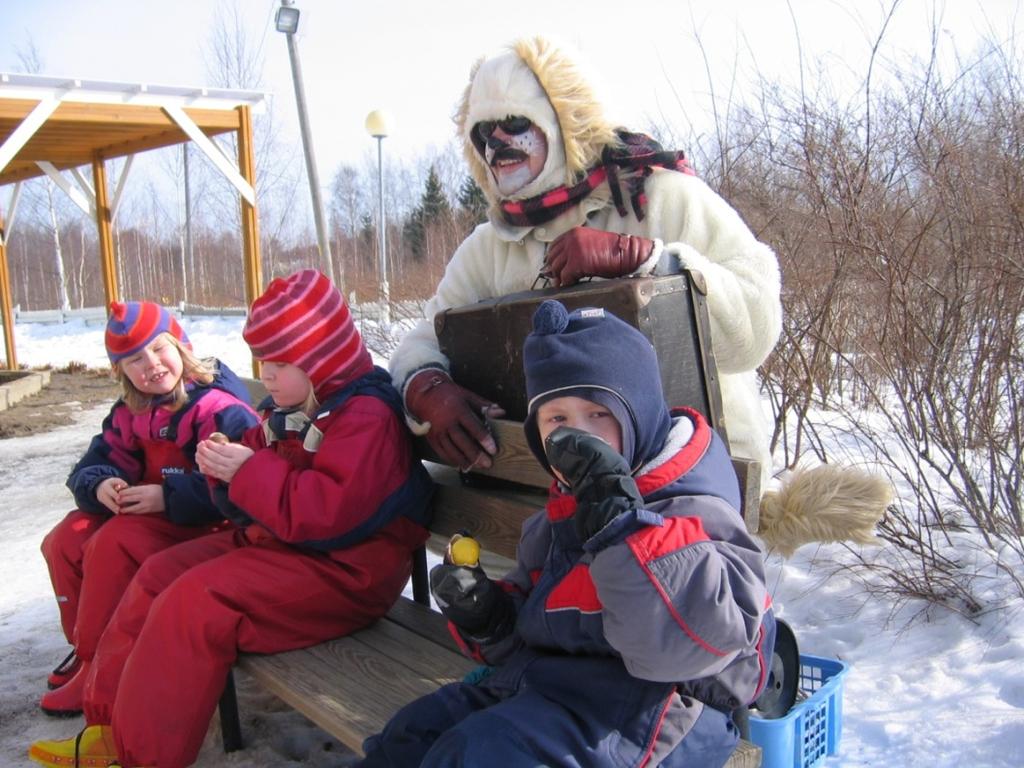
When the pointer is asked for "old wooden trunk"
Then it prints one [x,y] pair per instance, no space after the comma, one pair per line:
[484,341]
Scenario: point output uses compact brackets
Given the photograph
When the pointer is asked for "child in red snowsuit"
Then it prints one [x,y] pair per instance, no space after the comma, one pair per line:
[329,504]
[135,487]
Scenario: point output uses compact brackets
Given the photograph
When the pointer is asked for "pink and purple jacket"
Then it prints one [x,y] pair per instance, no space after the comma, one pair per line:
[159,446]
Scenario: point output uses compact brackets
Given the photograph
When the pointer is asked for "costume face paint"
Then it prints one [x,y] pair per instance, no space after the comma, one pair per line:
[515,159]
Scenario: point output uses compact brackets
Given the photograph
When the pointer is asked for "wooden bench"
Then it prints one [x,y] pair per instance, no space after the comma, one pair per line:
[351,686]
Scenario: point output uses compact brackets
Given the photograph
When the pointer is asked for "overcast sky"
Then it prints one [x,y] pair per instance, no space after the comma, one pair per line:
[412,57]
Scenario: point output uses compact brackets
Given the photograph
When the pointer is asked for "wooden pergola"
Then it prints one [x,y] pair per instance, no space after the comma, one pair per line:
[57,126]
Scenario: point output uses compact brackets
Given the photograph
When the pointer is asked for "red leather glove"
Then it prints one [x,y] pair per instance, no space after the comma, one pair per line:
[586,252]
[458,433]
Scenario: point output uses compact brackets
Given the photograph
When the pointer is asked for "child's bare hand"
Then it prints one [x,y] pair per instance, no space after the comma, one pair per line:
[141,500]
[107,491]
[221,461]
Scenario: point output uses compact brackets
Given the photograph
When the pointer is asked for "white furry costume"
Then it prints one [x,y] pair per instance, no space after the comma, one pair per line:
[690,224]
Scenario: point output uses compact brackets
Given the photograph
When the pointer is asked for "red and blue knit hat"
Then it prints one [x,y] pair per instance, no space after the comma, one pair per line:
[303,319]
[133,324]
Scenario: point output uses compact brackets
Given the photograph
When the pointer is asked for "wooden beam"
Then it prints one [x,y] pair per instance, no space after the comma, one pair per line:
[18,171]
[119,187]
[85,114]
[6,304]
[12,209]
[213,152]
[169,138]
[250,222]
[30,122]
[85,204]
[108,260]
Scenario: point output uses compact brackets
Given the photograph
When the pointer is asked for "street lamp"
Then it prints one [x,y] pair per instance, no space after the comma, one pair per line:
[287,21]
[378,123]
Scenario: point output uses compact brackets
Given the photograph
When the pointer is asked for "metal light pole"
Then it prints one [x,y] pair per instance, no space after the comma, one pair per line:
[287,21]
[377,125]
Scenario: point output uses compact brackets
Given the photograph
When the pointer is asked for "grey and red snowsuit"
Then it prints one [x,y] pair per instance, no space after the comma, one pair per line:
[631,652]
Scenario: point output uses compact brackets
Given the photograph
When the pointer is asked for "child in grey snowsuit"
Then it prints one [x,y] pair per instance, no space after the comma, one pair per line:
[637,618]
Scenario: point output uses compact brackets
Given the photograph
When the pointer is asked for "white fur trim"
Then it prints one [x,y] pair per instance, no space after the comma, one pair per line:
[652,261]
[417,427]
[680,434]
[504,87]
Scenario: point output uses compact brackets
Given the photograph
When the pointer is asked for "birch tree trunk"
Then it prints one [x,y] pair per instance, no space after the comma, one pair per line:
[65,305]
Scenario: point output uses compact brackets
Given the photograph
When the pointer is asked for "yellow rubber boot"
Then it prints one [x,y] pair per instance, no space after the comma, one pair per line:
[92,748]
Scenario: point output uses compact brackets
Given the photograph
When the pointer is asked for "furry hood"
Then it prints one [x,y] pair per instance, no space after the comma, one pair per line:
[537,80]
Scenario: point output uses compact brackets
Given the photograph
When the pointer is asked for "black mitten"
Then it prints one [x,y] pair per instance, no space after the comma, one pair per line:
[469,599]
[598,476]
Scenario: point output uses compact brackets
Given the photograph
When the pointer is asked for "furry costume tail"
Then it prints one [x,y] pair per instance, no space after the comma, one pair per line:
[826,503]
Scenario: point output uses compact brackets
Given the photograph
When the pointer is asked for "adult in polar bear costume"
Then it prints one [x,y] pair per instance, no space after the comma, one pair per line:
[573,196]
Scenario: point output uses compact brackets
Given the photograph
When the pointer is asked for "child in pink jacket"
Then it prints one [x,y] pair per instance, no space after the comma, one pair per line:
[136,487]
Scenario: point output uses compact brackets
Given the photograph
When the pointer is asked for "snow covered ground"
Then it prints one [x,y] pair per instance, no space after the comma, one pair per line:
[941,692]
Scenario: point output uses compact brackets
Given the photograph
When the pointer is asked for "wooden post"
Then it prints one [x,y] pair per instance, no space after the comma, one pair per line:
[250,223]
[6,302]
[103,224]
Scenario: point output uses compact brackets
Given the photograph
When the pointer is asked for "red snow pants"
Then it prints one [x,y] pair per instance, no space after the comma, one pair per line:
[161,665]
[92,558]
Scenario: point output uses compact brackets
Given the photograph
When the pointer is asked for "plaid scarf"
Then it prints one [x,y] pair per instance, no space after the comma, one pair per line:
[629,163]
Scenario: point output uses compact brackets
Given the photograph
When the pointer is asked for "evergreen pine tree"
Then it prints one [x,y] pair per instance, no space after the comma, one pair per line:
[414,233]
[434,204]
[472,201]
[433,209]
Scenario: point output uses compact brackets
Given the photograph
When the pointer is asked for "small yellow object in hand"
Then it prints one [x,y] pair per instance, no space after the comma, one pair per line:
[464,551]
[219,437]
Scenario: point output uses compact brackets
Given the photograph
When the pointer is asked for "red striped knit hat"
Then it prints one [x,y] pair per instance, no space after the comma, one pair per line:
[304,320]
[133,324]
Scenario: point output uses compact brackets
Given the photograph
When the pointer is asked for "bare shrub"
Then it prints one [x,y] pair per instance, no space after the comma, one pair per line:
[898,218]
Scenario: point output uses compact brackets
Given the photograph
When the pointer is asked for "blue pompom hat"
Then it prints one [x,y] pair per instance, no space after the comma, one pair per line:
[590,353]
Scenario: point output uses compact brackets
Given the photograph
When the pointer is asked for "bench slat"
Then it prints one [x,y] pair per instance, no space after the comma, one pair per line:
[352,686]
[423,621]
[419,653]
[493,517]
[343,686]
[747,755]
[514,461]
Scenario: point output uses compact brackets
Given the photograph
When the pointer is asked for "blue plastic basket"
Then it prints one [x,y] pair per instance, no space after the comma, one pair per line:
[810,731]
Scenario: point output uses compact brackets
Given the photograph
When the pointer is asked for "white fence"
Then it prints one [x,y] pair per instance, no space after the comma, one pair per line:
[91,315]
[98,315]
